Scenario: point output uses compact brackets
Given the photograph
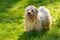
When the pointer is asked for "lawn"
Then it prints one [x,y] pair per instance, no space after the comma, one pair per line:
[12,20]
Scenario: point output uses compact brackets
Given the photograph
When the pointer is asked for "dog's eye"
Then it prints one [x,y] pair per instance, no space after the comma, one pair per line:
[27,10]
[32,10]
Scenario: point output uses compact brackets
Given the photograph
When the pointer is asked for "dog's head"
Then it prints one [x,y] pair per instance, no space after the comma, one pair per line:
[31,10]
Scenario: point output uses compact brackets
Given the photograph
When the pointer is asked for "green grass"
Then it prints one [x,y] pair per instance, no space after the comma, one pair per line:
[12,20]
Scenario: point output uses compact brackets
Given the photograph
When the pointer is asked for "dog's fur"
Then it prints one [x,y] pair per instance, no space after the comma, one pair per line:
[45,17]
[32,19]
[37,19]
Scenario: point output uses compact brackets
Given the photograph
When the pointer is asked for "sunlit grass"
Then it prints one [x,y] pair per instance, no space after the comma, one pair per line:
[12,20]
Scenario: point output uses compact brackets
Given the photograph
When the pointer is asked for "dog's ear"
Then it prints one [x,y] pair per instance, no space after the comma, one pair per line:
[25,8]
[36,10]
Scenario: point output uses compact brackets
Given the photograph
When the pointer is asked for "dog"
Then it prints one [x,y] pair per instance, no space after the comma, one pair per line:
[32,19]
[45,17]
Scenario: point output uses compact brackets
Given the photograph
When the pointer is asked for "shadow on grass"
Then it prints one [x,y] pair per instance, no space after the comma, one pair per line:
[32,34]
[5,4]
[42,2]
[5,15]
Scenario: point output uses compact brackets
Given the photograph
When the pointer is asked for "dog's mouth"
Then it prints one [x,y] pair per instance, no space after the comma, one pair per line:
[29,15]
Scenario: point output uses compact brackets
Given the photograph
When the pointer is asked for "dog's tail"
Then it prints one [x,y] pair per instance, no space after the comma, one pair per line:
[42,9]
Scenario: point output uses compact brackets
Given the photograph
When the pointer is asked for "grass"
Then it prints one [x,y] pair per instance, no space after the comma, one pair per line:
[12,20]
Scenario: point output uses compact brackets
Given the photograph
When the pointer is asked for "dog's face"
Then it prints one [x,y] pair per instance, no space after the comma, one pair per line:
[31,10]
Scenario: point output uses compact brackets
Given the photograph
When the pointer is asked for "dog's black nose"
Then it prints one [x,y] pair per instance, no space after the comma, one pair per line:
[28,12]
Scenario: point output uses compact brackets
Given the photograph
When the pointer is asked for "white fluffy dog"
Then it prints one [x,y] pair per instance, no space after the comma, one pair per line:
[45,17]
[37,19]
[32,19]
